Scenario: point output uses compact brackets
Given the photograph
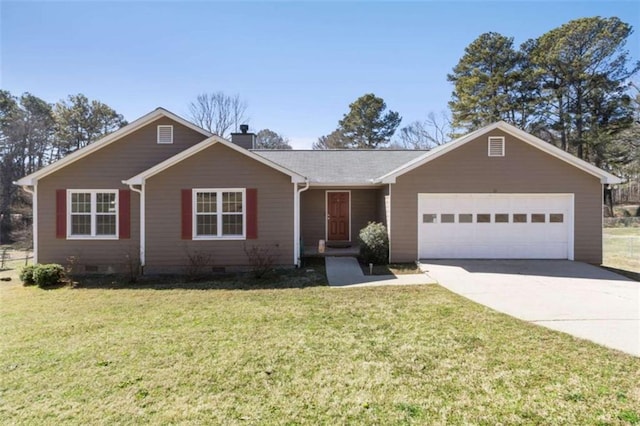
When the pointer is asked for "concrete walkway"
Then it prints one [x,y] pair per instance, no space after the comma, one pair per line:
[346,272]
[576,298]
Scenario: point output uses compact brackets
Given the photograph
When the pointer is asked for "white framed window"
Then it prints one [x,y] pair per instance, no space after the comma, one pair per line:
[165,134]
[496,146]
[92,214]
[219,214]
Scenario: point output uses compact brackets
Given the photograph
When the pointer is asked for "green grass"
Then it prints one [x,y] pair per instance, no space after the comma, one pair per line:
[309,355]
[621,248]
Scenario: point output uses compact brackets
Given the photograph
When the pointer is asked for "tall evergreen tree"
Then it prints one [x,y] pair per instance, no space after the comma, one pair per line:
[80,122]
[584,71]
[486,82]
[367,125]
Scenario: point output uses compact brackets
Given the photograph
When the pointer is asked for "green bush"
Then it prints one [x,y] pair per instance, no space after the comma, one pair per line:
[48,275]
[374,244]
[26,275]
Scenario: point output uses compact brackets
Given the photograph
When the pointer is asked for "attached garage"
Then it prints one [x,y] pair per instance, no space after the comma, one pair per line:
[495,226]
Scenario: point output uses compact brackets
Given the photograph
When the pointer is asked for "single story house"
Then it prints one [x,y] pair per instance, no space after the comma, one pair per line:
[161,188]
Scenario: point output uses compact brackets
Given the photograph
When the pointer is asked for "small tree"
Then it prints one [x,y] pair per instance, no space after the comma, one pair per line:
[374,243]
[268,139]
[334,140]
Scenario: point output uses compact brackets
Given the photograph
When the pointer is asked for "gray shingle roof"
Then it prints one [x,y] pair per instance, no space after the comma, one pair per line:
[354,167]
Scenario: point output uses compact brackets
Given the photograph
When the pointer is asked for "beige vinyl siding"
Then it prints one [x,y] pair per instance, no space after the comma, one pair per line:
[523,169]
[365,207]
[105,169]
[216,167]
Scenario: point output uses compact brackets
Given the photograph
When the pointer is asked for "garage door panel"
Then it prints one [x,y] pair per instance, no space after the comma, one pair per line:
[487,235]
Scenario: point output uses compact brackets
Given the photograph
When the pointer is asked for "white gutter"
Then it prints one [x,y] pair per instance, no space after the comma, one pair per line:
[296,221]
[142,221]
[34,209]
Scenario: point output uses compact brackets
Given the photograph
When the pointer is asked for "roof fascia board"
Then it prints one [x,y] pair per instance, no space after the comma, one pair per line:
[184,122]
[432,155]
[160,167]
[605,177]
[112,137]
[365,185]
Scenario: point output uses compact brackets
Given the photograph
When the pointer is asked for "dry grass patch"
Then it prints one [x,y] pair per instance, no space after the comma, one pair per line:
[314,355]
[392,269]
[621,248]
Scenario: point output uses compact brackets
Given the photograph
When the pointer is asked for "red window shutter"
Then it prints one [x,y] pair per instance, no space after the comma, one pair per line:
[61,213]
[252,213]
[124,213]
[187,214]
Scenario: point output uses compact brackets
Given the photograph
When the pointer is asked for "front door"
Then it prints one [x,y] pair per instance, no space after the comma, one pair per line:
[338,216]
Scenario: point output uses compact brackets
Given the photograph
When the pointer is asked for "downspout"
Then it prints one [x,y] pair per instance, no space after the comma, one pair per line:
[34,209]
[296,221]
[389,222]
[142,224]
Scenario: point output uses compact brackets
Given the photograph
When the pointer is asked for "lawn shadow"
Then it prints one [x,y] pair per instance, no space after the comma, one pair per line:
[280,279]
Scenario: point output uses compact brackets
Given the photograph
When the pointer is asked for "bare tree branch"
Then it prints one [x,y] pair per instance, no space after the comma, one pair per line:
[219,113]
[426,134]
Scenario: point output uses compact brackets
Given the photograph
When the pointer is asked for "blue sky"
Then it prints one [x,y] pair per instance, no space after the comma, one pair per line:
[297,64]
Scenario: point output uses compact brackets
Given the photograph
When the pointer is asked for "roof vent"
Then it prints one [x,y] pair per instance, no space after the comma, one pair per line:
[165,134]
[496,146]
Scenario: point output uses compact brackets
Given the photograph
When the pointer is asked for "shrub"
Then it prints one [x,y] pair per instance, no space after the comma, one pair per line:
[48,275]
[133,263]
[26,275]
[374,244]
[198,264]
[261,260]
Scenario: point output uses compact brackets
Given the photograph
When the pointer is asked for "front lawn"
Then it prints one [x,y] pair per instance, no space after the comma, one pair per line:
[311,355]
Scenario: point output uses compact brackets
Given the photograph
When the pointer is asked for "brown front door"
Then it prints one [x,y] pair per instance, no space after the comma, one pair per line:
[338,216]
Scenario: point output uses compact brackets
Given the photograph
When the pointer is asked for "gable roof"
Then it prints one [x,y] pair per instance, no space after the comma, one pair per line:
[341,167]
[183,155]
[605,177]
[110,138]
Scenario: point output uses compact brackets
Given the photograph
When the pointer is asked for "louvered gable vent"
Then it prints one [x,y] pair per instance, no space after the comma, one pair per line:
[496,146]
[165,134]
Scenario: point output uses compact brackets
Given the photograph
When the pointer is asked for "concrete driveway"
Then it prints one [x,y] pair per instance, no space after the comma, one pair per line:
[576,298]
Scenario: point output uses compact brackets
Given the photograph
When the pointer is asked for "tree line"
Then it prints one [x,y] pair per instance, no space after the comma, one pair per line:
[572,87]
[35,133]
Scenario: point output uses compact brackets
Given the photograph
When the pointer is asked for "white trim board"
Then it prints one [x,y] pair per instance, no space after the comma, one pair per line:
[183,155]
[605,177]
[112,137]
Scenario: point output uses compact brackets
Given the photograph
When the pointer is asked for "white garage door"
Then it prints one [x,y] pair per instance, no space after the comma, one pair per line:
[495,226]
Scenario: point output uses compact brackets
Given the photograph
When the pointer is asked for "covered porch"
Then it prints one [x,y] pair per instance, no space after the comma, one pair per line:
[336,215]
